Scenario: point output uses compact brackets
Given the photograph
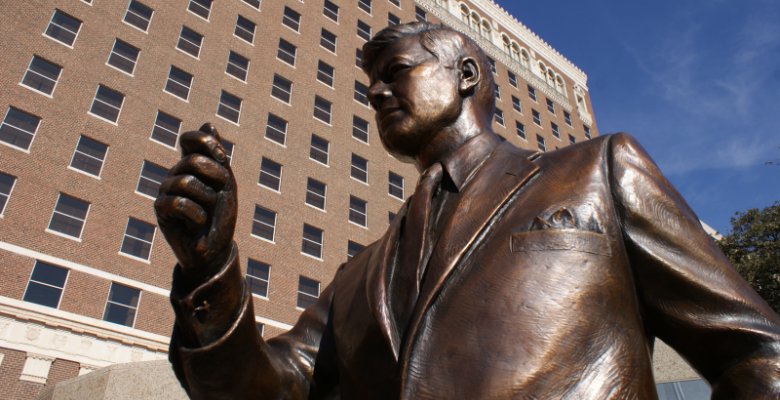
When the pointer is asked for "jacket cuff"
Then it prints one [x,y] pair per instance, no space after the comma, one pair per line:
[204,314]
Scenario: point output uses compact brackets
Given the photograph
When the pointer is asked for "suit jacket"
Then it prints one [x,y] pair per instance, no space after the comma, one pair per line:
[551,279]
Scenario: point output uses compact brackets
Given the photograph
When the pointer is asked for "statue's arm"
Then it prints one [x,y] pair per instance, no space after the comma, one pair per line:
[215,348]
[692,297]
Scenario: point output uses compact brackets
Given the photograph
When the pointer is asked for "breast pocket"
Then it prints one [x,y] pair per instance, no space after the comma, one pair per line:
[560,240]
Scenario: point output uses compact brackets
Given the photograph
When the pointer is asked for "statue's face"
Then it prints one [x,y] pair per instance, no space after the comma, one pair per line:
[415,96]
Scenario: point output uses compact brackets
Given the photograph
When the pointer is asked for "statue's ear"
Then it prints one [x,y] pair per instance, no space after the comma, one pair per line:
[469,74]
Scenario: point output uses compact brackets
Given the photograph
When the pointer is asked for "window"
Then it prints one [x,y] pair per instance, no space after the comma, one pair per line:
[361,93]
[359,169]
[264,223]
[308,292]
[315,193]
[89,156]
[353,248]
[363,30]
[253,3]
[520,129]
[189,41]
[359,129]
[396,3]
[150,179]
[516,104]
[357,210]
[359,58]
[319,149]
[555,130]
[237,66]
[281,88]
[572,139]
[107,104]
[322,109]
[123,56]
[531,93]
[257,277]
[291,19]
[587,131]
[537,117]
[499,116]
[390,217]
[395,185]
[270,174]
[567,117]
[63,28]
[121,305]
[325,73]
[497,91]
[138,15]
[178,83]
[276,129]
[331,10]
[365,5]
[540,143]
[492,63]
[512,78]
[260,328]
[7,183]
[245,29]
[229,107]
[312,241]
[41,75]
[228,146]
[420,15]
[286,52]
[550,106]
[201,8]
[46,284]
[166,129]
[138,239]
[392,19]
[69,216]
[18,128]
[328,40]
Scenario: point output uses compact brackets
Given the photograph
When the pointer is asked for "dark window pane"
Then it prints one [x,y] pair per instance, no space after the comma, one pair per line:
[18,128]
[138,15]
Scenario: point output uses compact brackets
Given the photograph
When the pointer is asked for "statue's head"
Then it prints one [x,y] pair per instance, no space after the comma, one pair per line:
[423,77]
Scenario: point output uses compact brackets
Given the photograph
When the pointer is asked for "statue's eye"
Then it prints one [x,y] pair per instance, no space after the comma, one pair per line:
[396,70]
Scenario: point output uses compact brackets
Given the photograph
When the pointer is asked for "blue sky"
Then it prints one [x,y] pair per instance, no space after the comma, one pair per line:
[696,81]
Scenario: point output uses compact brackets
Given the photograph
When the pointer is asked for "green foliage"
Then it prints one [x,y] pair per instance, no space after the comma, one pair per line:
[753,245]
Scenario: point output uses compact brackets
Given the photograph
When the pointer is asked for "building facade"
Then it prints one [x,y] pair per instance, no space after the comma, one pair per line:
[94,96]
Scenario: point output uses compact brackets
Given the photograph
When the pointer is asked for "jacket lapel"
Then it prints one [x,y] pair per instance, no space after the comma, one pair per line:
[380,269]
[504,172]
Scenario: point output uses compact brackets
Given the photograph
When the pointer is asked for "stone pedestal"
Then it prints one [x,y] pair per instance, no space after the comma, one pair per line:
[131,381]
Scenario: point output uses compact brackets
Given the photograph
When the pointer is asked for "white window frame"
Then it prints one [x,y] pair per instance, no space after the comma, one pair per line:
[83,221]
[198,46]
[354,166]
[76,150]
[151,244]
[249,277]
[177,133]
[321,244]
[111,53]
[135,309]
[253,33]
[279,177]
[7,195]
[398,187]
[332,75]
[328,111]
[317,149]
[146,178]
[367,131]
[275,85]
[360,30]
[51,22]
[94,99]
[208,11]
[285,17]
[240,106]
[149,21]
[275,129]
[30,71]
[330,13]
[324,194]
[32,134]
[273,226]
[291,55]
[358,212]
[246,70]
[333,42]
[186,99]
[315,298]
[62,289]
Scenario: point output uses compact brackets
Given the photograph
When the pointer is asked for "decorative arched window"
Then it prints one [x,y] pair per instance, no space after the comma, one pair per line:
[486,31]
[506,42]
[515,54]
[551,77]
[464,13]
[542,70]
[525,59]
[559,85]
[475,21]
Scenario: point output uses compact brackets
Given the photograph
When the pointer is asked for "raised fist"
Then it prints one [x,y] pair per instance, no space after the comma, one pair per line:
[196,206]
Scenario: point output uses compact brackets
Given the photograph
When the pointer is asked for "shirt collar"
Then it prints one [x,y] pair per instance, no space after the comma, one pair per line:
[463,163]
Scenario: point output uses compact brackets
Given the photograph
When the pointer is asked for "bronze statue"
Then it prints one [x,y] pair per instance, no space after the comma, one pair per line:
[508,273]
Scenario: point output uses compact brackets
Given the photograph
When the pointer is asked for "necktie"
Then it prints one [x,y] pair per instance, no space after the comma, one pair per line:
[415,247]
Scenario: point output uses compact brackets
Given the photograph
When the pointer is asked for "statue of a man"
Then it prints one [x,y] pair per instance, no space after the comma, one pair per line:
[507,274]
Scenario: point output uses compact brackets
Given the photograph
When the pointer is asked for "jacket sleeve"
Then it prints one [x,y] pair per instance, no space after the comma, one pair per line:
[692,297]
[217,352]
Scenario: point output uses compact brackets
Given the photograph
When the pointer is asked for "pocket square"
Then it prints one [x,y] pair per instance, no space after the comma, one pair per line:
[565,219]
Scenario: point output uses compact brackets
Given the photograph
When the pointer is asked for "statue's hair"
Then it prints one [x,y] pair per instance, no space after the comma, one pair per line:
[444,43]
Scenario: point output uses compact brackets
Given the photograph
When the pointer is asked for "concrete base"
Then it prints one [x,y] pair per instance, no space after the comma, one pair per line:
[131,381]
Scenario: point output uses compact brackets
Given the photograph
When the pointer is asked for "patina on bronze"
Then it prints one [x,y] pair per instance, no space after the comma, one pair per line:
[508,274]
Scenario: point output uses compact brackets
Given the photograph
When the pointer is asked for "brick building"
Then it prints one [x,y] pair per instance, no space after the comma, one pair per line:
[94,95]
